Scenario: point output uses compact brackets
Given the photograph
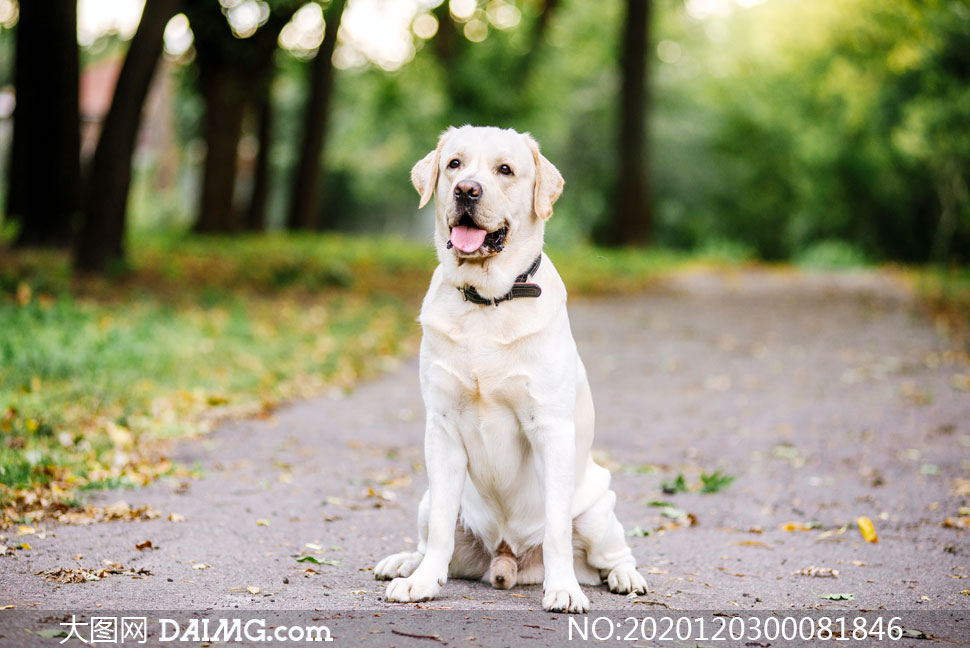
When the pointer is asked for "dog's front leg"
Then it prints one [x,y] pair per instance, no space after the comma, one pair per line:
[447,464]
[555,448]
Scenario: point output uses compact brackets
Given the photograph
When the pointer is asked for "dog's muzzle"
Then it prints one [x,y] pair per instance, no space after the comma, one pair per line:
[466,236]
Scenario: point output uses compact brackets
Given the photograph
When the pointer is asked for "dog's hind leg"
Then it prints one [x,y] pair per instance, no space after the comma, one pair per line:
[470,559]
[601,535]
[402,565]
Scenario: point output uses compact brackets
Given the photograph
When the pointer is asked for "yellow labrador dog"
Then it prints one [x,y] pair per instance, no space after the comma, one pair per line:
[514,495]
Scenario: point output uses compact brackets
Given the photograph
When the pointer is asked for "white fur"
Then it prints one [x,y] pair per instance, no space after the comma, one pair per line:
[509,410]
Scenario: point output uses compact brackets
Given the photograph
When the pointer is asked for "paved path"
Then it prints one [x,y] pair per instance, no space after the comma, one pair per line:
[828,397]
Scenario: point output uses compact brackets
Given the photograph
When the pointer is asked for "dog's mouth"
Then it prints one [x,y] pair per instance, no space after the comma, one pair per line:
[468,238]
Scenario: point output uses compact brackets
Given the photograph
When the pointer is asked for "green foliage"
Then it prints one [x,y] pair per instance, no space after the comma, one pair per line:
[715,482]
[709,483]
[823,120]
[676,485]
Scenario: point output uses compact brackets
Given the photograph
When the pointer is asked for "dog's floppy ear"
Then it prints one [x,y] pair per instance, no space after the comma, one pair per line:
[424,174]
[549,182]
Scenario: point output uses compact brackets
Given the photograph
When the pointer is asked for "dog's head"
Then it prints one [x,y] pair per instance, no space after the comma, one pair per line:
[493,191]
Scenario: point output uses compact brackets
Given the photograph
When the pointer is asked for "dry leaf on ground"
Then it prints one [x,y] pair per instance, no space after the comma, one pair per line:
[119,511]
[867,529]
[752,543]
[84,575]
[817,572]
[79,575]
[795,526]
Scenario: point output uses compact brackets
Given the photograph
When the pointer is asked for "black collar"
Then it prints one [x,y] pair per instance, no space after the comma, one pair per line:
[521,288]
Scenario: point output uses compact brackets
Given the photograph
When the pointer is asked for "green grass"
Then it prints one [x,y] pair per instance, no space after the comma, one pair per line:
[97,373]
[832,254]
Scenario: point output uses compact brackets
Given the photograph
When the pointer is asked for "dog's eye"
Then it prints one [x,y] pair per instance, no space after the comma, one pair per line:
[454,164]
[505,169]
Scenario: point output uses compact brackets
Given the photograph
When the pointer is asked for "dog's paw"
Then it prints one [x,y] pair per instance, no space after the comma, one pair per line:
[399,565]
[624,579]
[565,599]
[410,589]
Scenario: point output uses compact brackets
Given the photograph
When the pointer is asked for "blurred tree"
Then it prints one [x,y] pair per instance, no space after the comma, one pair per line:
[630,220]
[232,73]
[45,152]
[486,81]
[102,236]
[305,197]
[934,126]
[255,219]
[839,121]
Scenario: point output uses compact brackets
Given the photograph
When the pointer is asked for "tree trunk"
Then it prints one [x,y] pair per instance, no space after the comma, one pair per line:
[225,102]
[101,241]
[233,72]
[306,190]
[256,212]
[631,220]
[46,147]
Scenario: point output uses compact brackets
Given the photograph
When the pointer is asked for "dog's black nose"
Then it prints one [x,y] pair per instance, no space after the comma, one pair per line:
[468,190]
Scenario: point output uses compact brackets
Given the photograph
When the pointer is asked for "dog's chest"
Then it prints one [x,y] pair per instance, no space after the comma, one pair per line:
[472,364]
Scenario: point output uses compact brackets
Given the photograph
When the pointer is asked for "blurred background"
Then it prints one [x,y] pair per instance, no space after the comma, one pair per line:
[774,129]
[207,208]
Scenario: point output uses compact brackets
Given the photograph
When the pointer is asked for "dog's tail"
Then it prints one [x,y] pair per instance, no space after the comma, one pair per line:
[504,568]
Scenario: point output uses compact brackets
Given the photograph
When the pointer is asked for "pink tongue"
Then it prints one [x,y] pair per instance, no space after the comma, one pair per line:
[467,239]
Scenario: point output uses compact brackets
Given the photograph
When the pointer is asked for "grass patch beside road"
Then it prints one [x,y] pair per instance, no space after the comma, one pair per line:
[946,293]
[96,374]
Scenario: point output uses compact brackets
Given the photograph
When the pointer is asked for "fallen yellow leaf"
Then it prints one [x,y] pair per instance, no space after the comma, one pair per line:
[25,546]
[262,522]
[25,530]
[962,522]
[795,526]
[752,543]
[867,530]
[176,517]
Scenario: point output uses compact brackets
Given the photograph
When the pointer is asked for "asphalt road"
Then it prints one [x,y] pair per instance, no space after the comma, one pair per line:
[825,397]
